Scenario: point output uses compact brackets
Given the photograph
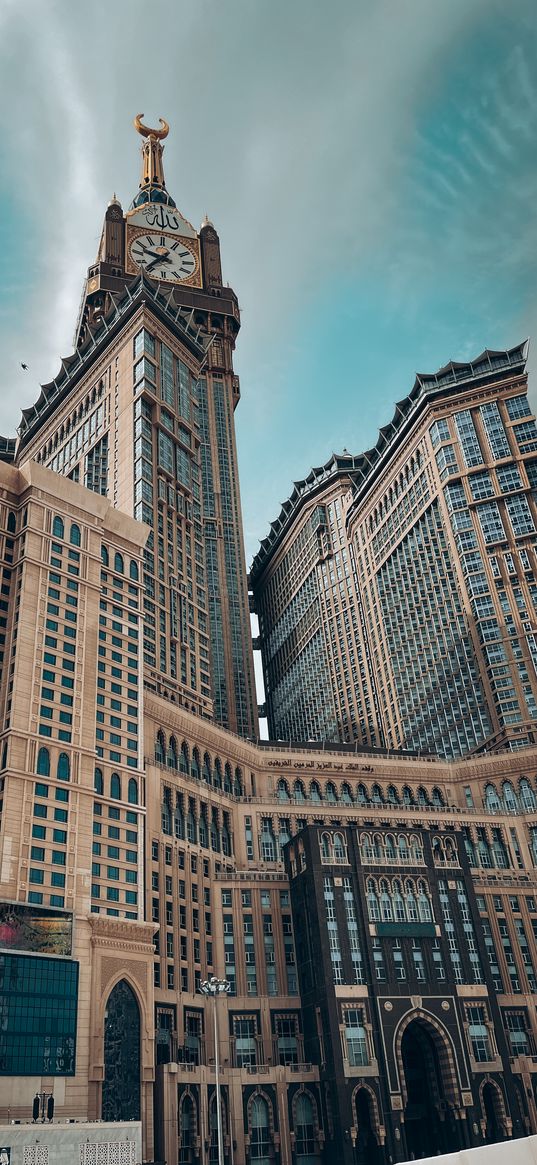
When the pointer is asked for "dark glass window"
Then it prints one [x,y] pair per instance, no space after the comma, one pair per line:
[38,1034]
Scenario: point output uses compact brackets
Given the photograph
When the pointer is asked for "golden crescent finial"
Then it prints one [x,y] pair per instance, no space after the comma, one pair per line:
[151,133]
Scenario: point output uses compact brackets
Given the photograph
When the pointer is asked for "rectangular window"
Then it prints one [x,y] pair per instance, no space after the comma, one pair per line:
[496,436]
[517,406]
[471,450]
[355,1037]
[478,1033]
[481,486]
[491,523]
[508,478]
[520,515]
[526,435]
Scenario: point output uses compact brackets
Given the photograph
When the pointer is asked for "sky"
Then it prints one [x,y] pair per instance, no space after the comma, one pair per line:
[370,166]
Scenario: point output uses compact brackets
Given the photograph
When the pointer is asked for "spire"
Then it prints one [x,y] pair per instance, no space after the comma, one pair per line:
[152,184]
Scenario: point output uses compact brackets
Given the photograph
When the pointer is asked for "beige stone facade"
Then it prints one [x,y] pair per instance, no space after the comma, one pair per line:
[211,817]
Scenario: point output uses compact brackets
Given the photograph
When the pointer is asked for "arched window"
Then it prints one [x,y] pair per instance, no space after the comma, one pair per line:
[304,1125]
[204,832]
[330,793]
[326,847]
[188,1126]
[191,830]
[509,797]
[366,848]
[416,850]
[438,799]
[57,527]
[133,570]
[43,762]
[11,523]
[239,788]
[492,801]
[228,779]
[423,799]
[215,833]
[363,798]
[340,849]
[484,853]
[385,903]
[195,768]
[63,770]
[74,535]
[122,1029]
[98,783]
[104,556]
[389,849]
[372,902]
[282,790]
[259,1131]
[298,791]
[217,773]
[424,905]
[411,904]
[226,840]
[115,787]
[393,796]
[179,817]
[346,794]
[183,758]
[402,846]
[118,563]
[315,792]
[206,771]
[526,794]
[408,797]
[398,903]
[376,795]
[171,757]
[132,794]
[160,747]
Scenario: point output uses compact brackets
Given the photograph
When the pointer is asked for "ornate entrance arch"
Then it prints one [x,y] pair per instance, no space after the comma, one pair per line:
[431,1097]
[121,1084]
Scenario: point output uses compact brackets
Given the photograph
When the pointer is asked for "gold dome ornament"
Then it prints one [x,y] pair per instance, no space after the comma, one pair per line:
[146,132]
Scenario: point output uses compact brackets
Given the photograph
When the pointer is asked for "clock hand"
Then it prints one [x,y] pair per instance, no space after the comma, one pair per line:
[156,256]
[158,259]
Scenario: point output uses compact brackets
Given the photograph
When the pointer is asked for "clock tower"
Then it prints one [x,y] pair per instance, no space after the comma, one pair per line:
[155,340]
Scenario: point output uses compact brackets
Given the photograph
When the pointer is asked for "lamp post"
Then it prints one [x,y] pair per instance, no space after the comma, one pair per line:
[214,987]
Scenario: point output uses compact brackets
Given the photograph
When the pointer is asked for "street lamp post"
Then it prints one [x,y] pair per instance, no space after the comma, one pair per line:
[214,987]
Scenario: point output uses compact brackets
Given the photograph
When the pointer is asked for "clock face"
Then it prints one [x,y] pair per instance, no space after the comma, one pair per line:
[162,256]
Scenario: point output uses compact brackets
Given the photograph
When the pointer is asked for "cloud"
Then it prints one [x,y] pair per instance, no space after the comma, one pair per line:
[292,126]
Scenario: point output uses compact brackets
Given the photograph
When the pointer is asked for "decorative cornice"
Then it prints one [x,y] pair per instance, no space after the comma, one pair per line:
[123,933]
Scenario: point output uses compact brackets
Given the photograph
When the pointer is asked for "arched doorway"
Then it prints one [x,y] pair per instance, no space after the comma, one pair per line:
[121,1084]
[367,1147]
[494,1113]
[430,1127]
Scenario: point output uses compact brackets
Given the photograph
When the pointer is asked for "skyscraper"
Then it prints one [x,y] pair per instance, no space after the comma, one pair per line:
[316,671]
[374,912]
[143,414]
[438,542]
